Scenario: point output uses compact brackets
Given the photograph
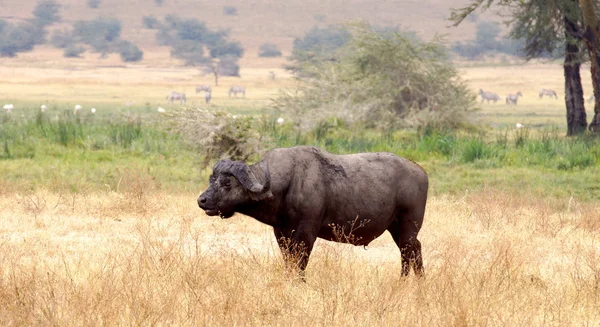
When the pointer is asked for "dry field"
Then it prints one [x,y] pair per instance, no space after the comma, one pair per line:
[529,79]
[143,257]
[153,259]
[57,81]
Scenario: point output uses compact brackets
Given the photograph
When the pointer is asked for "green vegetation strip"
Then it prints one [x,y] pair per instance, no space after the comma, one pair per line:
[78,153]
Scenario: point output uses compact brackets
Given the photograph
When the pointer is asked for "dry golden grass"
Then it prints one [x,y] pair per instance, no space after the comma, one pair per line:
[93,82]
[46,77]
[143,257]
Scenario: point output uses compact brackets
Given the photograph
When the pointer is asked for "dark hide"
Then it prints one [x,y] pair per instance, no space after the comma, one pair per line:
[305,193]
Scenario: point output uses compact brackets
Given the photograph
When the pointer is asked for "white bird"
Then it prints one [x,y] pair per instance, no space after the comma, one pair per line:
[93,110]
[519,126]
[9,107]
[280,120]
[161,109]
[43,107]
[77,107]
[234,116]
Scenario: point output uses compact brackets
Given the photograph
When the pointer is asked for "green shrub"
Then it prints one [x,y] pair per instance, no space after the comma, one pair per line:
[385,81]
[93,3]
[100,33]
[229,66]
[230,11]
[269,50]
[150,22]
[223,48]
[46,12]
[73,51]
[62,39]
[18,38]
[190,38]
[488,40]
[322,40]
[129,52]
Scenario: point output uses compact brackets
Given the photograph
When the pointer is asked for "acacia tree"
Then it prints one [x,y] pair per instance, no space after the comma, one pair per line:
[546,25]
[591,36]
[383,81]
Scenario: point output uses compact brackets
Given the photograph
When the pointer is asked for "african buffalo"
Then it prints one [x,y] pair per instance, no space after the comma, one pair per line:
[304,193]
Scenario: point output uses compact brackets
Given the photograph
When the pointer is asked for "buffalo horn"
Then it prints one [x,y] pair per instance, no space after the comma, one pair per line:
[242,173]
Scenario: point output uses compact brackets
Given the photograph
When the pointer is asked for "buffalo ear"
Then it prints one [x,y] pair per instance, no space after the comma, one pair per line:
[261,196]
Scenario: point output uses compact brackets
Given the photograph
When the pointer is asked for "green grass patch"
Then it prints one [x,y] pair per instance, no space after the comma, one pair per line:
[60,150]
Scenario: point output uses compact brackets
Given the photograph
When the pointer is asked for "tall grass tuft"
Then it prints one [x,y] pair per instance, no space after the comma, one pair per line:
[476,149]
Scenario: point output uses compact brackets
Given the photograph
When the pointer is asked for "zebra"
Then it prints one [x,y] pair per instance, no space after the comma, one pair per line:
[489,96]
[207,96]
[176,96]
[237,89]
[204,87]
[513,98]
[548,92]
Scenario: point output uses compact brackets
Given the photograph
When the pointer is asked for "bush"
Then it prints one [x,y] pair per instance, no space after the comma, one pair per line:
[230,11]
[486,35]
[487,40]
[62,39]
[317,45]
[189,38]
[269,50]
[93,3]
[99,33]
[191,52]
[229,67]
[129,52]
[227,49]
[17,38]
[322,40]
[46,12]
[73,51]
[382,81]
[218,134]
[150,22]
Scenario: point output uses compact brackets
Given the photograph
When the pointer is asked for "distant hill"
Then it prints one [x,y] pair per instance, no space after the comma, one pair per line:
[260,21]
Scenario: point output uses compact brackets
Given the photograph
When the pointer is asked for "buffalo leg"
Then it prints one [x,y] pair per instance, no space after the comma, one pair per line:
[295,246]
[404,232]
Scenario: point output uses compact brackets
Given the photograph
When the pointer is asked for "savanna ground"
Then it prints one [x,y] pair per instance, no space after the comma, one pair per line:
[105,231]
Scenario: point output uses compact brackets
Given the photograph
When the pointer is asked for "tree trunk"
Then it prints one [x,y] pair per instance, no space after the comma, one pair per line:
[576,116]
[591,36]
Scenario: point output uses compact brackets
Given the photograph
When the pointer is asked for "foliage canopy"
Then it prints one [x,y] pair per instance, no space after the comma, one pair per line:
[385,81]
[192,41]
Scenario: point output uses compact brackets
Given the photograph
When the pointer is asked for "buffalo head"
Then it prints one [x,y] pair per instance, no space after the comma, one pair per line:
[232,184]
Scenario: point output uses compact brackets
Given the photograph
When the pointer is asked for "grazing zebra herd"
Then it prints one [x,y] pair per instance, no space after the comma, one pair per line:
[207,89]
[176,96]
[237,89]
[512,99]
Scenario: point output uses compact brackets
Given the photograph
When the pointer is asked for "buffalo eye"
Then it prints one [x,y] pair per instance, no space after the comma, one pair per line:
[211,179]
[226,184]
